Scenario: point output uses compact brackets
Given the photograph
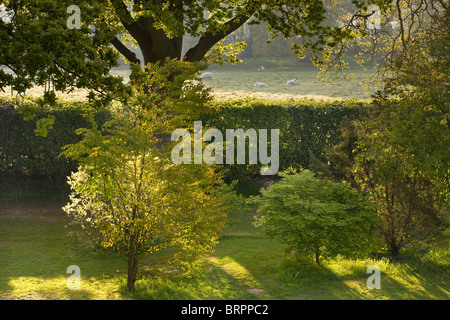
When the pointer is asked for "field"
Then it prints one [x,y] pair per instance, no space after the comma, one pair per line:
[237,81]
[35,253]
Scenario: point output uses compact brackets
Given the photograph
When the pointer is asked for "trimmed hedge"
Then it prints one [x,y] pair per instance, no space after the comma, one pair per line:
[23,153]
[306,128]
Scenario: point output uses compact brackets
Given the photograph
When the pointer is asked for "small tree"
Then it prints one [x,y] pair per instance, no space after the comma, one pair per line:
[316,216]
[127,189]
[402,157]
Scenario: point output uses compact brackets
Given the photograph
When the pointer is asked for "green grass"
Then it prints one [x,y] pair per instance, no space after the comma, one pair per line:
[239,80]
[35,253]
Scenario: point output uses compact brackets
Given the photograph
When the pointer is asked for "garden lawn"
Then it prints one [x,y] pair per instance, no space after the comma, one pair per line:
[35,253]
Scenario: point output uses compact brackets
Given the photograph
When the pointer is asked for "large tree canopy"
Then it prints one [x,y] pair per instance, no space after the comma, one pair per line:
[36,43]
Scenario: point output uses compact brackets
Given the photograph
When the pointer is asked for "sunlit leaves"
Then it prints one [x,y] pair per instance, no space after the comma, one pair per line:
[38,46]
[127,193]
[316,216]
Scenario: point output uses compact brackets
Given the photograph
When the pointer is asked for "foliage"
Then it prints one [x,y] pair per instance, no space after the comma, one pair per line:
[129,192]
[340,158]
[375,45]
[402,156]
[409,206]
[23,153]
[398,151]
[38,46]
[421,82]
[306,128]
[317,216]
[405,201]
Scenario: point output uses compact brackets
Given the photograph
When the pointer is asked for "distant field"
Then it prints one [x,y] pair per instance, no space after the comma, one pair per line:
[231,81]
[237,81]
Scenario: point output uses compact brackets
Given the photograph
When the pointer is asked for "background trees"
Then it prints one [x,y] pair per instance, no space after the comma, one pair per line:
[398,152]
[403,152]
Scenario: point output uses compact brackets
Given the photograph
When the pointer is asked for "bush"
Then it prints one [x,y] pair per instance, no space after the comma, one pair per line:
[317,216]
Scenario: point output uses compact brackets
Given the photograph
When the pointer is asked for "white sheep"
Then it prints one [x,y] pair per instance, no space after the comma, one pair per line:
[260,84]
[292,82]
[261,69]
[207,75]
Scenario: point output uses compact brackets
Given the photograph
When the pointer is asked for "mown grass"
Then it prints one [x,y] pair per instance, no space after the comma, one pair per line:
[35,253]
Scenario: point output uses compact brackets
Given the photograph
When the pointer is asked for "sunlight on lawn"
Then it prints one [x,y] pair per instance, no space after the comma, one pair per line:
[36,288]
[239,273]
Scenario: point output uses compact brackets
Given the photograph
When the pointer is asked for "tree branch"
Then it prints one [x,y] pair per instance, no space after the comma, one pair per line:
[400,18]
[125,18]
[122,12]
[209,39]
[127,53]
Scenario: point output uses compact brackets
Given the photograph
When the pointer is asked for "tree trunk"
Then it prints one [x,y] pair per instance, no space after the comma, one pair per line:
[394,248]
[317,256]
[133,264]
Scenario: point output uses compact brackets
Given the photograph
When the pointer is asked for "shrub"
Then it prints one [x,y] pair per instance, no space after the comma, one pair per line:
[317,216]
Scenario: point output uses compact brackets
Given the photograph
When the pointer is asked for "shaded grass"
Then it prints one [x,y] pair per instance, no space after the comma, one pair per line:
[27,189]
[35,253]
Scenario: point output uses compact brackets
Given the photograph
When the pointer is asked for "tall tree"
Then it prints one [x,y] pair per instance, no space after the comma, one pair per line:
[36,43]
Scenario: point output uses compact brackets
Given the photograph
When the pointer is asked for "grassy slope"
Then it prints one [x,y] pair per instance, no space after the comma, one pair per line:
[35,253]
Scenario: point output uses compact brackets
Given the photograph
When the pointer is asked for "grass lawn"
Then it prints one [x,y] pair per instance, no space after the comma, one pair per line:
[35,253]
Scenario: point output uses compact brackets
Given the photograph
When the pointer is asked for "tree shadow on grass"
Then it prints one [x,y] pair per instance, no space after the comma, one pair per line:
[211,284]
[241,275]
[281,276]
